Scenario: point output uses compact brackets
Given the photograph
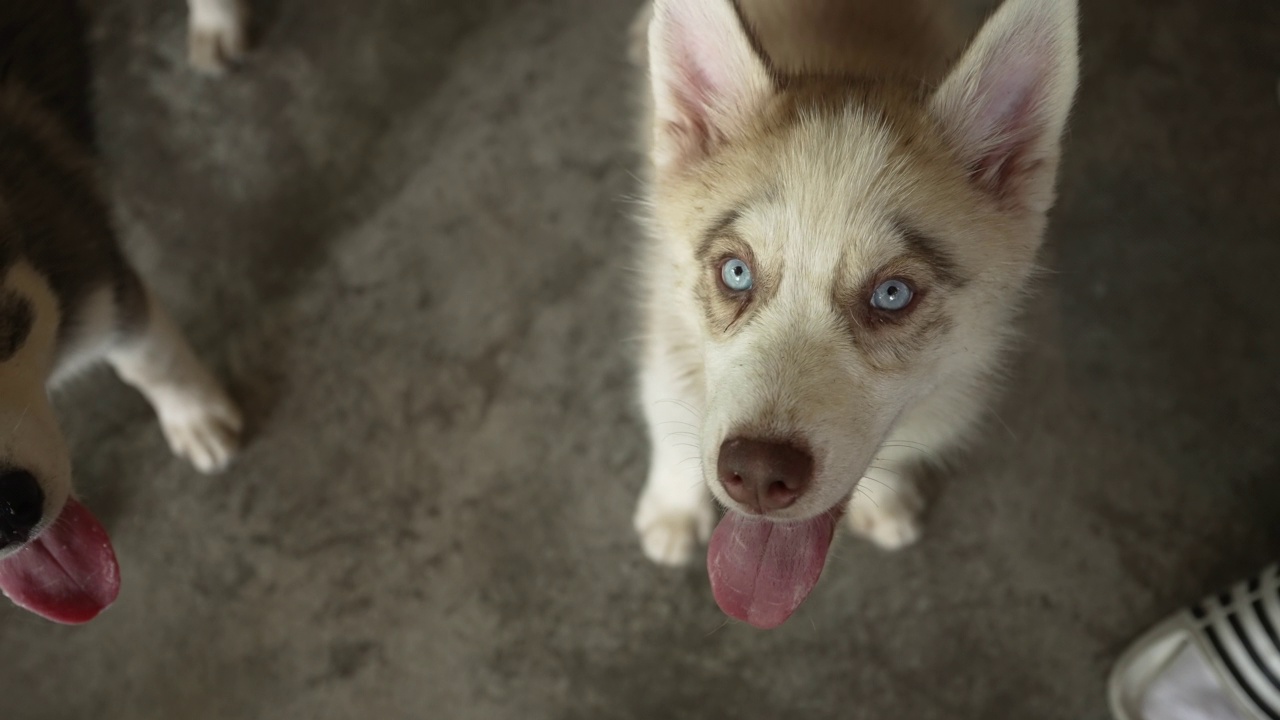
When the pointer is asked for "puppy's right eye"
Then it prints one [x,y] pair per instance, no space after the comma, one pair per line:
[736,275]
[892,295]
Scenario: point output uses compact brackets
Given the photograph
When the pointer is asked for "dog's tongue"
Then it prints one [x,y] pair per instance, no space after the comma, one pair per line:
[761,570]
[68,574]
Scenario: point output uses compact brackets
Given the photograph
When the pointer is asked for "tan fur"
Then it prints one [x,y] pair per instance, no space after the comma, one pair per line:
[870,38]
[32,438]
[842,157]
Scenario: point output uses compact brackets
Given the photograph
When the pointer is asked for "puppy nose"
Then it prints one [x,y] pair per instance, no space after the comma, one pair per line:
[21,506]
[764,475]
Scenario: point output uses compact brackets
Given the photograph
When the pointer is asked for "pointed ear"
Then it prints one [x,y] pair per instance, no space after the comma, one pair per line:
[1005,104]
[708,80]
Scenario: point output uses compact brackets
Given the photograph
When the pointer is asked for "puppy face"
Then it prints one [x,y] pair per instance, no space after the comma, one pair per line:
[846,247]
[825,314]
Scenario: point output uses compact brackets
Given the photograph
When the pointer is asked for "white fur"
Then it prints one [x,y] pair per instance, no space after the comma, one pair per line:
[86,343]
[675,512]
[199,421]
[819,199]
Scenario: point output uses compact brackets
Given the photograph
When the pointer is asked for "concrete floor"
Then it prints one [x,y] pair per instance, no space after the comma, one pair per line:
[401,233]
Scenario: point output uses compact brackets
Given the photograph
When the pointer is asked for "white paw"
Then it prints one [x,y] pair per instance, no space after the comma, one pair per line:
[218,35]
[890,519]
[204,428]
[671,536]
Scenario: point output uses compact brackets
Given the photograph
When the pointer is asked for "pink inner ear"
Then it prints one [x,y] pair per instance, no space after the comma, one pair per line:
[707,77]
[1008,122]
[695,89]
[701,56]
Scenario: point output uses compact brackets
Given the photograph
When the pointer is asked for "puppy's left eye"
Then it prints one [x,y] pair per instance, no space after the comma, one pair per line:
[736,275]
[891,295]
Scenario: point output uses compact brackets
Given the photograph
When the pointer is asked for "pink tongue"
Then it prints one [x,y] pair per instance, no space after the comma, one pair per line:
[68,574]
[761,570]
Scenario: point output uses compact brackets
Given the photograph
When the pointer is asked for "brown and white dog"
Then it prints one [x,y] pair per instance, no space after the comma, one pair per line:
[842,224]
[69,298]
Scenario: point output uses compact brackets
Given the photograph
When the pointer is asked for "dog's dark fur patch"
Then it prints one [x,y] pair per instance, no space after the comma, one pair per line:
[932,252]
[16,319]
[54,215]
[42,46]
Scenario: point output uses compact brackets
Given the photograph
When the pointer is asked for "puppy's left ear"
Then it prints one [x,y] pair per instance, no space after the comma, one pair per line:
[708,80]
[1004,106]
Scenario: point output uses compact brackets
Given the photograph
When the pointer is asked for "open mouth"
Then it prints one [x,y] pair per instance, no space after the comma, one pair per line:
[761,569]
[67,574]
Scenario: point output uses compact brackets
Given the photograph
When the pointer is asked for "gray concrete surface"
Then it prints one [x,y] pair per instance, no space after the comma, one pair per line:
[401,233]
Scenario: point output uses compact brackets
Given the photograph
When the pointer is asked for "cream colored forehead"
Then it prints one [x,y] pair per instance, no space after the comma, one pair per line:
[834,189]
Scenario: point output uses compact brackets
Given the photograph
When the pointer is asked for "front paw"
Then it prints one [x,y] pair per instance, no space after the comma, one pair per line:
[204,428]
[671,535]
[218,35]
[888,515]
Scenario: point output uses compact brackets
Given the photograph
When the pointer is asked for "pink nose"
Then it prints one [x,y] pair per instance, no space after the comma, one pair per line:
[764,475]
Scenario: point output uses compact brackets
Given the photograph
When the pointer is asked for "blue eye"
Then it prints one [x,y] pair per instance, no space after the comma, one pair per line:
[892,295]
[736,275]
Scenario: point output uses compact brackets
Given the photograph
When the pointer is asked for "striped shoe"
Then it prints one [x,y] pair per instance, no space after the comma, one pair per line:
[1217,660]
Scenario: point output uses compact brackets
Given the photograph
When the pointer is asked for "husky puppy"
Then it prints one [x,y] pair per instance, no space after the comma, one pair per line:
[842,222]
[68,298]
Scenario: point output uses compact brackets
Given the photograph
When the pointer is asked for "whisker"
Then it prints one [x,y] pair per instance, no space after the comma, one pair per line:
[1006,427]
[909,443]
[692,410]
[867,495]
[717,629]
[680,403]
[920,447]
[881,483]
[905,443]
[881,468]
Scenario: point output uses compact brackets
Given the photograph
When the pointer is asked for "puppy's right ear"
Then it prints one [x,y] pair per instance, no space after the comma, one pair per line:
[1005,105]
[708,80]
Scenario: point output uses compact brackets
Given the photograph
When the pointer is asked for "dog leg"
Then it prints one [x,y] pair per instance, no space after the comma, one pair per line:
[674,513]
[886,507]
[199,421]
[218,34]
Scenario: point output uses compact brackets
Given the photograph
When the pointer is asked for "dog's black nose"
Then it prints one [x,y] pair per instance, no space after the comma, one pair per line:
[764,475]
[21,506]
